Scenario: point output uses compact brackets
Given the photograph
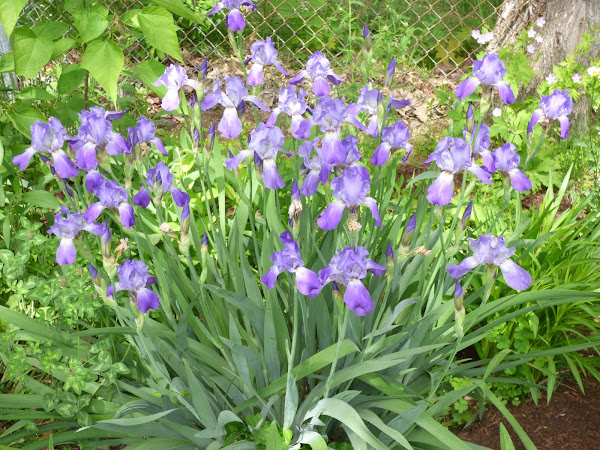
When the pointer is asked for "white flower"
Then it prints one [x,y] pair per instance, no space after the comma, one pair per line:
[531,33]
[530,48]
[551,79]
[497,112]
[476,34]
[593,71]
[540,22]
[576,78]
[539,39]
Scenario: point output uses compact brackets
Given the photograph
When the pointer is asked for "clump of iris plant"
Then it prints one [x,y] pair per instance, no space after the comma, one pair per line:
[232,99]
[556,106]
[488,72]
[68,226]
[348,268]
[492,252]
[48,138]
[288,260]
[263,53]
[350,192]
[318,68]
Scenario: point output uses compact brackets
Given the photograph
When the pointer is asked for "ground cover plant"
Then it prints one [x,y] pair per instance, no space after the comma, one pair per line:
[278,286]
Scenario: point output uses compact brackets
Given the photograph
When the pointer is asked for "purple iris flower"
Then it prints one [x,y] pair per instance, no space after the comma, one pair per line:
[144,132]
[481,145]
[506,160]
[48,138]
[99,111]
[233,98]
[294,106]
[488,72]
[68,228]
[368,101]
[96,134]
[556,106]
[492,252]
[316,169]
[318,68]
[111,196]
[350,191]
[392,138]
[330,114]
[452,155]
[263,54]
[235,19]
[348,267]
[411,225]
[288,260]
[389,74]
[174,78]
[264,144]
[134,277]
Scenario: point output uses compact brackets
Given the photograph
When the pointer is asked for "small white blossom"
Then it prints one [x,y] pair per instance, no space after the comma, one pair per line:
[531,33]
[593,71]
[539,39]
[540,22]
[530,48]
[497,112]
[551,79]
[576,78]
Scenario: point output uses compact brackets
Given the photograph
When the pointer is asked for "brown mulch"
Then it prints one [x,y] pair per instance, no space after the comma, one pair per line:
[570,421]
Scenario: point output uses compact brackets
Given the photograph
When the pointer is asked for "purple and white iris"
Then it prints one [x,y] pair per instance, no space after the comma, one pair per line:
[160,181]
[330,114]
[392,138]
[350,191]
[556,106]
[48,138]
[134,278]
[144,132]
[110,196]
[452,155]
[288,260]
[491,251]
[264,144]
[319,69]
[481,145]
[368,101]
[488,72]
[96,134]
[68,227]
[174,78]
[316,169]
[233,98]
[348,267]
[294,105]
[263,54]
[506,160]
[235,19]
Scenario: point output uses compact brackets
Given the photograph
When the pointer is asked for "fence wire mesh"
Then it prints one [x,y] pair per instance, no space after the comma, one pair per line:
[432,35]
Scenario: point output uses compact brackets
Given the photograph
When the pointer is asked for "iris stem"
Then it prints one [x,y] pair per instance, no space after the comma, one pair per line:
[337,352]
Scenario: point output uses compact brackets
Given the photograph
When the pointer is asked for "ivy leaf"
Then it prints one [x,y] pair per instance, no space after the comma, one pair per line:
[160,30]
[104,60]
[149,71]
[7,63]
[9,13]
[70,79]
[23,119]
[31,52]
[177,7]
[62,46]
[90,23]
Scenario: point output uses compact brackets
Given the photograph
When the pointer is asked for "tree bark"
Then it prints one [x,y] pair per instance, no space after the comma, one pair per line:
[566,21]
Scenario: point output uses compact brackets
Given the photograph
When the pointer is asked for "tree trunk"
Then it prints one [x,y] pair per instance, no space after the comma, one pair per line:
[566,21]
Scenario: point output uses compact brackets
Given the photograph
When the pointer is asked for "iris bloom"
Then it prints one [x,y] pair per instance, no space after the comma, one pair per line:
[263,54]
[96,134]
[111,196]
[318,68]
[556,106]
[350,191]
[330,114]
[452,155]
[506,160]
[265,142]
[392,138]
[68,227]
[235,19]
[134,278]
[294,106]
[488,72]
[174,78]
[233,98]
[481,145]
[316,169]
[348,267]
[144,132]
[48,138]
[368,101]
[491,251]
[288,260]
